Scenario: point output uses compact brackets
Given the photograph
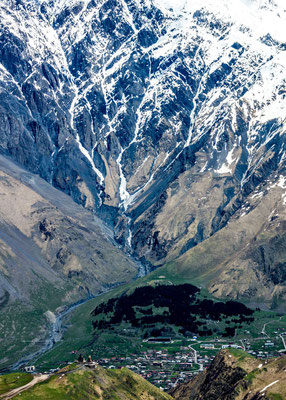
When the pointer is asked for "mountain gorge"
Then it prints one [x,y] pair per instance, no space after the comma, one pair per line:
[167,121]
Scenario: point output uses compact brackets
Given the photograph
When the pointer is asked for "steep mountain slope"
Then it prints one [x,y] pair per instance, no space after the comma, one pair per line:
[246,258]
[235,375]
[165,119]
[52,253]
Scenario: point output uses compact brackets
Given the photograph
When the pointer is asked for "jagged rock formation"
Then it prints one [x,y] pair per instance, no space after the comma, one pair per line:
[165,119]
[234,375]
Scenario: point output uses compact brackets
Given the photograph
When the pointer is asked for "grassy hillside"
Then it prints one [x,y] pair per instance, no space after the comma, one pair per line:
[13,381]
[170,310]
[98,384]
[80,335]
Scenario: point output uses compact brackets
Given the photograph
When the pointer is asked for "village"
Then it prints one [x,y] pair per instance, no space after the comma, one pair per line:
[160,367]
[166,370]
[166,362]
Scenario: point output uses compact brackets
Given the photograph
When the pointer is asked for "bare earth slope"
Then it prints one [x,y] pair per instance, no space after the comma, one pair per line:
[246,258]
[53,252]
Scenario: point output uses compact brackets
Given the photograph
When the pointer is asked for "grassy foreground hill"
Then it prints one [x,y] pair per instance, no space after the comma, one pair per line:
[98,384]
[233,375]
[12,381]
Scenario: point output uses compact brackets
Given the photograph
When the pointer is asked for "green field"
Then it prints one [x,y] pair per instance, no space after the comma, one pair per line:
[13,381]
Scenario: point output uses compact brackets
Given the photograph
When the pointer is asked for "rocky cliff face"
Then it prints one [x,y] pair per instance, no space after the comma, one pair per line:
[218,383]
[164,119]
[235,375]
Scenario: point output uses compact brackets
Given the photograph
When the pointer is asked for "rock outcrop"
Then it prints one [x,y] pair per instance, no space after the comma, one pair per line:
[234,375]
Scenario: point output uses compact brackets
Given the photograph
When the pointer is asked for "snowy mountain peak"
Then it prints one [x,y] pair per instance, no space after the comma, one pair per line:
[261,17]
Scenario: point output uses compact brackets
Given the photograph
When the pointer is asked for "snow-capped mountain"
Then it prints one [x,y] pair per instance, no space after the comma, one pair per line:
[164,118]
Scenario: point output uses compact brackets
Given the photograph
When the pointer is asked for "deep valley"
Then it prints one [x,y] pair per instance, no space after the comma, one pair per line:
[142,199]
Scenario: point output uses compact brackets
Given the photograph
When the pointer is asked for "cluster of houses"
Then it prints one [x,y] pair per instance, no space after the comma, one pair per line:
[160,367]
[166,369]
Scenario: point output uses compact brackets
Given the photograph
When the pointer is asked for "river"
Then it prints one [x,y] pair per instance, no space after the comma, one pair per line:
[55,335]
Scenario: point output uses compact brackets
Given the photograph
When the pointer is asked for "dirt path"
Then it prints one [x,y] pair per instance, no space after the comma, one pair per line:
[14,392]
[283,341]
[267,323]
